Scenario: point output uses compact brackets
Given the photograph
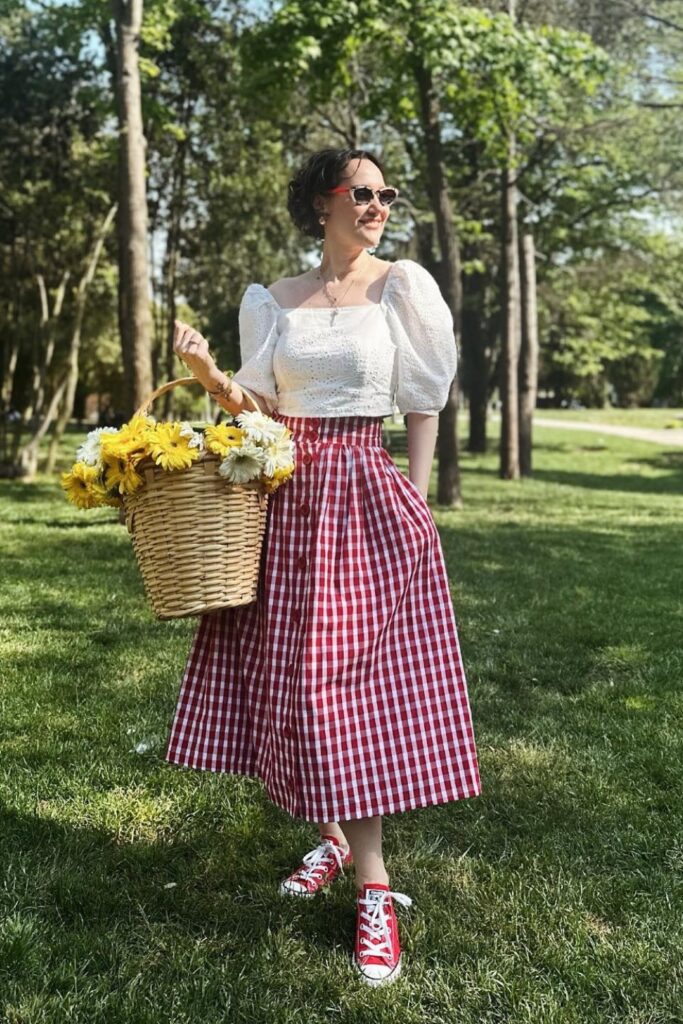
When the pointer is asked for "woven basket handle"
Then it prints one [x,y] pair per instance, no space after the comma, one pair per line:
[174,384]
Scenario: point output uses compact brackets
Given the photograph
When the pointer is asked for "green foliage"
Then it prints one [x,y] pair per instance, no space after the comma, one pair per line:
[616,321]
[57,173]
[499,79]
[235,97]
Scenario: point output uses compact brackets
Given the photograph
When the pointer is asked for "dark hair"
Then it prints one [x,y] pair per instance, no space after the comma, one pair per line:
[323,170]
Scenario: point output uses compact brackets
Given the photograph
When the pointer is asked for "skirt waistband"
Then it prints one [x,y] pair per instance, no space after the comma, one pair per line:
[360,430]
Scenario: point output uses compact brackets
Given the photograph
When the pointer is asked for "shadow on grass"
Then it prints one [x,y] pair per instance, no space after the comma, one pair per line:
[538,606]
[56,524]
[89,881]
[564,448]
[23,491]
[627,482]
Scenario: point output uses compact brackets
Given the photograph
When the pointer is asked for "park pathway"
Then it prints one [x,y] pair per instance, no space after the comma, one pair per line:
[666,437]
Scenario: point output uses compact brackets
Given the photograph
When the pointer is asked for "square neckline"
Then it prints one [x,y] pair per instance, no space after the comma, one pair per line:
[331,309]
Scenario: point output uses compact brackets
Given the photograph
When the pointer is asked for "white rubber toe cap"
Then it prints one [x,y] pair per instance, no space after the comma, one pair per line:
[379,974]
[294,889]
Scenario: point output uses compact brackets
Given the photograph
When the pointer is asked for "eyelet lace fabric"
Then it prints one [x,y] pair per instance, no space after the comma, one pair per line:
[397,355]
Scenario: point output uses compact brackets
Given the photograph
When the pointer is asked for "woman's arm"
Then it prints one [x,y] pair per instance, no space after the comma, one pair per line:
[193,350]
[238,402]
[422,431]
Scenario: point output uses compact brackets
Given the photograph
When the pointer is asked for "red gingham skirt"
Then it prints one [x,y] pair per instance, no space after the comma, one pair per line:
[342,686]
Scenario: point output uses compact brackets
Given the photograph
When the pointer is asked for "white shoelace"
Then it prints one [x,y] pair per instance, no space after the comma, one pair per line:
[315,860]
[375,921]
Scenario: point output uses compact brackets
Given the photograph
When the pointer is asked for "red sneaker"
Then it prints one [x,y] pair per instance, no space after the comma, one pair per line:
[320,867]
[377,956]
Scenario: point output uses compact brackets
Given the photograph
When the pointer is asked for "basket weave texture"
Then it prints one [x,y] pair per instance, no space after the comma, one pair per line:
[197,537]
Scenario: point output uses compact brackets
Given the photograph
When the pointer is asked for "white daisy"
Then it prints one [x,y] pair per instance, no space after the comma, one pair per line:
[279,455]
[196,438]
[243,462]
[260,427]
[89,451]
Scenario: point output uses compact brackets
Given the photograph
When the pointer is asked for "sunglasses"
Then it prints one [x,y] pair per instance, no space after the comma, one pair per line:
[362,194]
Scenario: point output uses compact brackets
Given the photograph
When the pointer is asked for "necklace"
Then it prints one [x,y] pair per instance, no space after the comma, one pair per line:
[331,298]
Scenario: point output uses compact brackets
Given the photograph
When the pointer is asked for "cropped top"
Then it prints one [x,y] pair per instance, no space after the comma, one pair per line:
[395,355]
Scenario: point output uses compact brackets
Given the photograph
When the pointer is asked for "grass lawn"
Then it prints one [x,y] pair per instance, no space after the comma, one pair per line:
[137,892]
[658,418]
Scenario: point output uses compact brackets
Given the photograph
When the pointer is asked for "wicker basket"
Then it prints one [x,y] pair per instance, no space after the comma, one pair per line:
[196,536]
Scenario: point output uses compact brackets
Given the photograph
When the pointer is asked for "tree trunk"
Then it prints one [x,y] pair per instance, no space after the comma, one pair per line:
[509,436]
[67,404]
[171,262]
[25,461]
[448,485]
[476,361]
[20,457]
[135,322]
[528,361]
[44,345]
[10,358]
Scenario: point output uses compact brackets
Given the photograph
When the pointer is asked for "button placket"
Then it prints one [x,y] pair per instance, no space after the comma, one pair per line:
[311,433]
[312,430]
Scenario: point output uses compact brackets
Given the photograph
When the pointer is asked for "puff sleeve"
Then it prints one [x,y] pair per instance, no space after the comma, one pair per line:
[258,334]
[426,352]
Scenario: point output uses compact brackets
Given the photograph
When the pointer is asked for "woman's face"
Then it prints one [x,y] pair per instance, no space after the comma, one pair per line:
[347,223]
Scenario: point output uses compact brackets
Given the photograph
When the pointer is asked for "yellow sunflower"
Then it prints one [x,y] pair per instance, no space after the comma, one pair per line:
[279,477]
[220,438]
[82,486]
[131,440]
[169,448]
[120,472]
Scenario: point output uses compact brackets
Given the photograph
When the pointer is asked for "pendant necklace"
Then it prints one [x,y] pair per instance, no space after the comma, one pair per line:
[331,299]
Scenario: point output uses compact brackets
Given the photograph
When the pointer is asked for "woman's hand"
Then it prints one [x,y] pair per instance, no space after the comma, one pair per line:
[192,348]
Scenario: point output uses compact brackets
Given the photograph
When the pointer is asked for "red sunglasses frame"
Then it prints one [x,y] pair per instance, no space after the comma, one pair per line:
[375,192]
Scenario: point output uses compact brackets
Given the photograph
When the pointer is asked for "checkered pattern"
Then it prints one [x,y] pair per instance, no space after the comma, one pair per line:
[342,687]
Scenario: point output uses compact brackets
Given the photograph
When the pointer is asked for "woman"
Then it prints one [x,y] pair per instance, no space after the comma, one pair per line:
[342,686]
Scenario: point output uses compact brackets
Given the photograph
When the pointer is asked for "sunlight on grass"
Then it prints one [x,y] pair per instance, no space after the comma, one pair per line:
[127,814]
[640,703]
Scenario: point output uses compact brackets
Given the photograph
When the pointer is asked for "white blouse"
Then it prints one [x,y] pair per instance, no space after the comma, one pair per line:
[395,355]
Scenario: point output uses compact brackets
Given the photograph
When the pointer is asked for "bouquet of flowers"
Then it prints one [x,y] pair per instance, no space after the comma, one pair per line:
[110,462]
[178,486]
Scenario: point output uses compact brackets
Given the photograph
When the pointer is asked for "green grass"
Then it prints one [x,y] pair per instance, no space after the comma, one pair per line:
[657,418]
[134,891]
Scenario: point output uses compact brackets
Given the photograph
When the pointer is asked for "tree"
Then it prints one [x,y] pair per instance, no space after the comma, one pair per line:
[54,171]
[134,304]
[528,362]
